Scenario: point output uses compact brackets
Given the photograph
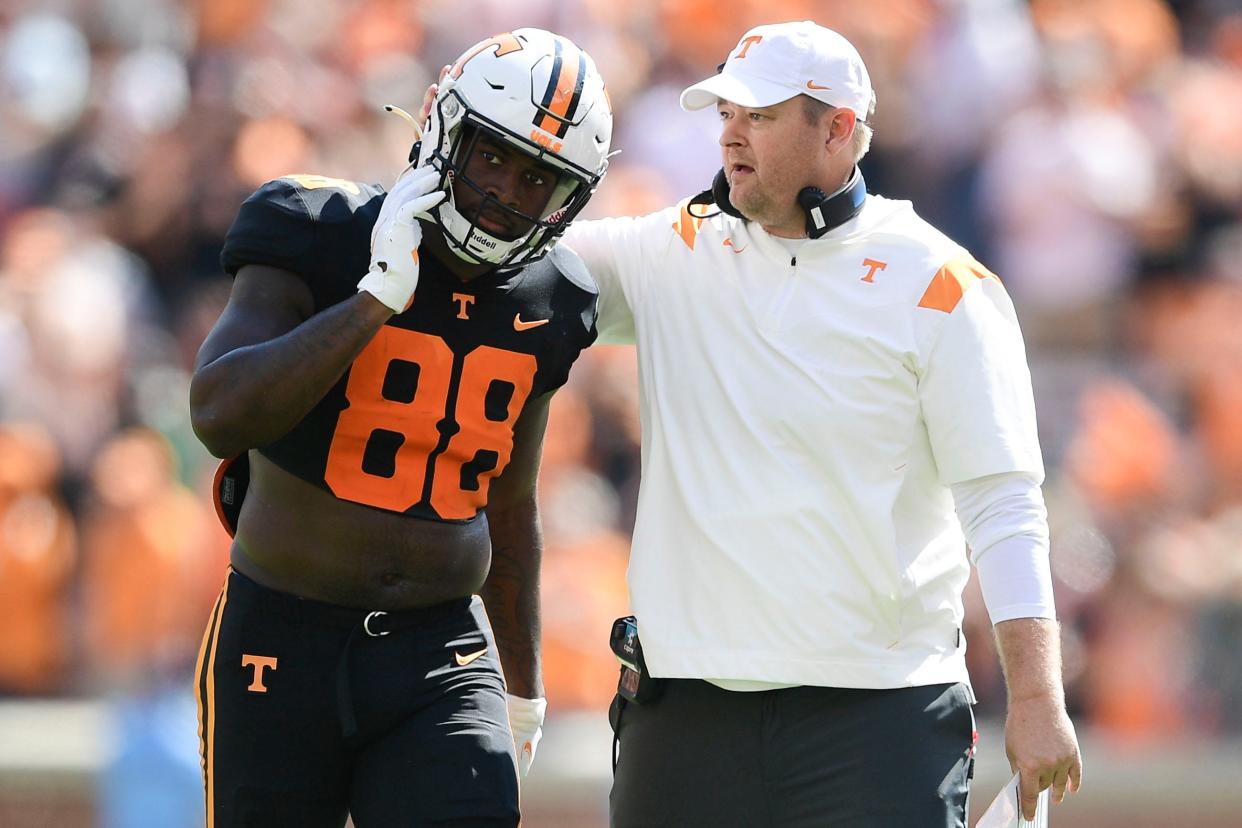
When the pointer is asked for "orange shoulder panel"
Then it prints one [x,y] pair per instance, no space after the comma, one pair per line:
[687,224]
[952,281]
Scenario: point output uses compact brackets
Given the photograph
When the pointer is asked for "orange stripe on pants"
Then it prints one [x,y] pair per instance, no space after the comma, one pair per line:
[206,700]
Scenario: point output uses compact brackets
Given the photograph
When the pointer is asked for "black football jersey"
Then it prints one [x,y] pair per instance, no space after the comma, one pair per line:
[423,419]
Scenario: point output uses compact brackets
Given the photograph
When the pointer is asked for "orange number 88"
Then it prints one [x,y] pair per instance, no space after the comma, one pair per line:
[414,424]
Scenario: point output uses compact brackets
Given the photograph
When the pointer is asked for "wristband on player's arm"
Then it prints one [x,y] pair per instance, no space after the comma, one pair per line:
[526,723]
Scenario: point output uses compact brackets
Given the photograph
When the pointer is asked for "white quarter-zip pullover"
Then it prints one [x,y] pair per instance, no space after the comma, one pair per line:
[803,419]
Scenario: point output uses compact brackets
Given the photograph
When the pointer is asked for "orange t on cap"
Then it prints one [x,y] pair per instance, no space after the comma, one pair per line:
[773,63]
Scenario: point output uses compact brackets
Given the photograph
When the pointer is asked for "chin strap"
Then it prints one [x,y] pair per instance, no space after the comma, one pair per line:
[823,212]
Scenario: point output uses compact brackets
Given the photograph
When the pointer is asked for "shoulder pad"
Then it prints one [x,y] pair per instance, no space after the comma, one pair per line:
[328,200]
[276,226]
[572,267]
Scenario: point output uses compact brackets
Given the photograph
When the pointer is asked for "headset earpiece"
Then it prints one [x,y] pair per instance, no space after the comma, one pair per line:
[824,212]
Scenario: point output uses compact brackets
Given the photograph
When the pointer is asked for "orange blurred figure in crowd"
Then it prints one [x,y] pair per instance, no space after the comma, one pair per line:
[1125,454]
[584,560]
[38,549]
[147,582]
[583,583]
[1219,398]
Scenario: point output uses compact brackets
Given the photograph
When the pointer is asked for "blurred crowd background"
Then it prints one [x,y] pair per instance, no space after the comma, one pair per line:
[1088,151]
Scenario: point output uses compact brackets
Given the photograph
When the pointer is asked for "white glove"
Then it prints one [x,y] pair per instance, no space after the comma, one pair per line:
[393,275]
[526,722]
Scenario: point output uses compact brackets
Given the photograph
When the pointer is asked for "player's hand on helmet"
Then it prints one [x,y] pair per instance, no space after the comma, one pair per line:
[526,722]
[393,274]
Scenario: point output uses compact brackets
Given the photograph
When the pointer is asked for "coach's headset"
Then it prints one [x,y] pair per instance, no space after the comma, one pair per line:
[823,212]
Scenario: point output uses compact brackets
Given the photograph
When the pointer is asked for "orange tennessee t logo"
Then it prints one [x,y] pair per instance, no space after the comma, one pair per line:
[503,43]
[259,663]
[463,300]
[745,45]
[872,266]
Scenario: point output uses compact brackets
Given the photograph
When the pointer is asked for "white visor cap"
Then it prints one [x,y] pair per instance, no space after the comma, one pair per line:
[773,63]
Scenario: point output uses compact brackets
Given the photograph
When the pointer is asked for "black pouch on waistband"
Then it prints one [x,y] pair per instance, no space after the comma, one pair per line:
[635,683]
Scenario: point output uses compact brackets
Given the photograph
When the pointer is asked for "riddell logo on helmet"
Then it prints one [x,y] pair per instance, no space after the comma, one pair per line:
[556,217]
[545,140]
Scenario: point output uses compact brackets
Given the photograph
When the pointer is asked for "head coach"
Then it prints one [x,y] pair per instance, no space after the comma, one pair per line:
[837,422]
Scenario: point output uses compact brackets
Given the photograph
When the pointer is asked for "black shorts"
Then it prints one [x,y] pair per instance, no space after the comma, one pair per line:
[308,711]
[813,757]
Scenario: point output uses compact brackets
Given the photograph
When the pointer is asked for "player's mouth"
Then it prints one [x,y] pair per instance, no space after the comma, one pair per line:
[496,224]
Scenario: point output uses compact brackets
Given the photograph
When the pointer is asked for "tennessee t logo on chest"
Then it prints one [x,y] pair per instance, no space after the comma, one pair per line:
[872,266]
[464,301]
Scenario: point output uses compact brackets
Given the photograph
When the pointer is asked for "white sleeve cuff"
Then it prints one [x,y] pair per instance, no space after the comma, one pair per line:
[1006,525]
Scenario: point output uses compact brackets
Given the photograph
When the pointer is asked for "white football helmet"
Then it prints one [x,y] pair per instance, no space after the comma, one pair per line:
[534,91]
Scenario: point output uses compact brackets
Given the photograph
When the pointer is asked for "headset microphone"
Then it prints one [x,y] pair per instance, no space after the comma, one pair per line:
[823,212]
[719,193]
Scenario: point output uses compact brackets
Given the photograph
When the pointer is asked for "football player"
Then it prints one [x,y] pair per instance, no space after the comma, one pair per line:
[385,444]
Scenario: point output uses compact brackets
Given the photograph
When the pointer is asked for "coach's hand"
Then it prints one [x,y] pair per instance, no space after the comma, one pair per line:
[1042,749]
[393,275]
[526,722]
[429,97]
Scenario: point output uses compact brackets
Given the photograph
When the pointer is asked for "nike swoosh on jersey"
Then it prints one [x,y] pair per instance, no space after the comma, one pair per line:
[519,325]
[463,660]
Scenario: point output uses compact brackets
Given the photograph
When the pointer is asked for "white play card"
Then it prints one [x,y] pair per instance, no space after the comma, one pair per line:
[1006,812]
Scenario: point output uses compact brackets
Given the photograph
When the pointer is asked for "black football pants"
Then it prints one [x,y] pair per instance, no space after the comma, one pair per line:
[802,757]
[309,711]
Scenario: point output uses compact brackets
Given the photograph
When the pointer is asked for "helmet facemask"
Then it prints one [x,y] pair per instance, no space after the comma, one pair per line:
[530,235]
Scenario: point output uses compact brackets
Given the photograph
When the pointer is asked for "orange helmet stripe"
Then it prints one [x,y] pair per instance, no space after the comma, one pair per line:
[564,89]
